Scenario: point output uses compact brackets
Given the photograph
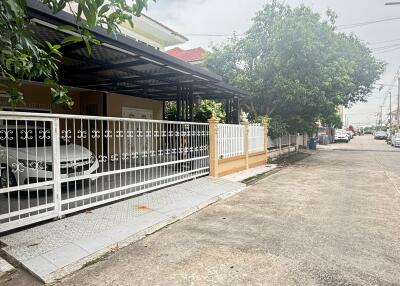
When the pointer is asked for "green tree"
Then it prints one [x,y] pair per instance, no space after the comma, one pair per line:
[201,113]
[24,57]
[298,68]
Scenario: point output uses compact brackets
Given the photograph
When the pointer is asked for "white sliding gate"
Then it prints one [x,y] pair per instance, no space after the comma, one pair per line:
[52,165]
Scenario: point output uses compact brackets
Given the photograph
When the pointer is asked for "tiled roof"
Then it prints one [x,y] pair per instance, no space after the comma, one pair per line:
[192,55]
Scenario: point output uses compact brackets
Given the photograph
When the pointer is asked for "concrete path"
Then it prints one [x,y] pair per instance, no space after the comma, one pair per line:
[52,250]
[332,219]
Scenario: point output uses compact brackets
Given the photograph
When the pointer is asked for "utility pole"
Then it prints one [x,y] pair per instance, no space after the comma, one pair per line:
[398,105]
[390,110]
[381,117]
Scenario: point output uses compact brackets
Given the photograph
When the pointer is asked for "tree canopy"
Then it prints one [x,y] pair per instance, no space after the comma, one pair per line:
[298,68]
[24,57]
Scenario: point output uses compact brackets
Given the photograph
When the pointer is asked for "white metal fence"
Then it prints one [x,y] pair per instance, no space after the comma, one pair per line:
[52,165]
[256,138]
[230,140]
[283,141]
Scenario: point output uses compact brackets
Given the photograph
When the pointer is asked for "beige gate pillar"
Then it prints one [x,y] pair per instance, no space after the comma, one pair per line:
[213,137]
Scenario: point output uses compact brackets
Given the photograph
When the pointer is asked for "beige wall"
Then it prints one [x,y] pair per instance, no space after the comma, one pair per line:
[235,164]
[115,103]
[39,97]
[231,165]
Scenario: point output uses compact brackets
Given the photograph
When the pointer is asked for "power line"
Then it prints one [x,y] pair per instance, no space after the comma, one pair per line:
[383,42]
[340,27]
[386,51]
[385,47]
[361,24]
[214,35]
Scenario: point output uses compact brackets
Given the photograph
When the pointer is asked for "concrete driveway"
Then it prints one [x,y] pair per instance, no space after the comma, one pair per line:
[331,219]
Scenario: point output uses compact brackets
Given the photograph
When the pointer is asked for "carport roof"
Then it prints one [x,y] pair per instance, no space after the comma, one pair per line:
[124,65]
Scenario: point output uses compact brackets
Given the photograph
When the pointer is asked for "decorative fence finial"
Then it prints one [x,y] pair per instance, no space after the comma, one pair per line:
[213,114]
[243,117]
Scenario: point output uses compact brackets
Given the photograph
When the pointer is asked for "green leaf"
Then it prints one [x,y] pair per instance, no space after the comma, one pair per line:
[72,39]
[66,28]
[88,46]
[96,42]
[105,8]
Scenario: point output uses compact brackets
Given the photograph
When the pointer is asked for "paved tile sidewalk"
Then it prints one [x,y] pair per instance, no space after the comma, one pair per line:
[55,249]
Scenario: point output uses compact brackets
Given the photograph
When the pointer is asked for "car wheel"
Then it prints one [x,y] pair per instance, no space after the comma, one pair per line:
[7,179]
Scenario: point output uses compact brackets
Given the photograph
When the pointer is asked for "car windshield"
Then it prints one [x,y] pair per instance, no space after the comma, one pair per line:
[26,137]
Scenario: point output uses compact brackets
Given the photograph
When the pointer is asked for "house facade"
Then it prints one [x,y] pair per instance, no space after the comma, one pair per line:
[90,102]
[113,143]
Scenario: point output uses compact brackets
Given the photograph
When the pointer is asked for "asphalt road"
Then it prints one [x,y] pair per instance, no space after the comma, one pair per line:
[331,219]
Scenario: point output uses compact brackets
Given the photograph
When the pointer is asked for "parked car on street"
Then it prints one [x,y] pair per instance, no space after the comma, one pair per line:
[26,157]
[380,135]
[350,133]
[341,136]
[395,140]
[389,139]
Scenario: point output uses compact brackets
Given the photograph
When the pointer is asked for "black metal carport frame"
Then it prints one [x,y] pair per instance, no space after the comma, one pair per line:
[126,66]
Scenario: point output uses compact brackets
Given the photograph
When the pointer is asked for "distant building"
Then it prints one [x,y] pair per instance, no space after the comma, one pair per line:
[194,56]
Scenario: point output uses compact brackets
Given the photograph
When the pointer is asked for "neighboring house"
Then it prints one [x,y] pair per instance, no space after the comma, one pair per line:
[393,116]
[194,56]
[152,32]
[147,30]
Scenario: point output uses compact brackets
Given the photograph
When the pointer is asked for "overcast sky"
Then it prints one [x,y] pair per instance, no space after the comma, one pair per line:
[223,17]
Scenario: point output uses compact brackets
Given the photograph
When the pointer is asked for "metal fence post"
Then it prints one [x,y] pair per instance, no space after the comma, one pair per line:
[55,135]
[213,141]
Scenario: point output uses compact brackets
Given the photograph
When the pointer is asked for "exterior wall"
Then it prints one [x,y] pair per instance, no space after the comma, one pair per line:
[257,159]
[39,97]
[231,165]
[92,103]
[224,166]
[235,164]
[115,103]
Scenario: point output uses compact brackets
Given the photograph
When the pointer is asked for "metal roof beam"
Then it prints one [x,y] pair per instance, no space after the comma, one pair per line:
[106,67]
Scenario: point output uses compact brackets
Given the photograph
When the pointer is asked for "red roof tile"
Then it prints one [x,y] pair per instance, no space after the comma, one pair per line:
[192,55]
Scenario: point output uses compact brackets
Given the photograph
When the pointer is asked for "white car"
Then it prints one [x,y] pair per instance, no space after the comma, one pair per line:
[395,140]
[29,160]
[350,133]
[341,136]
